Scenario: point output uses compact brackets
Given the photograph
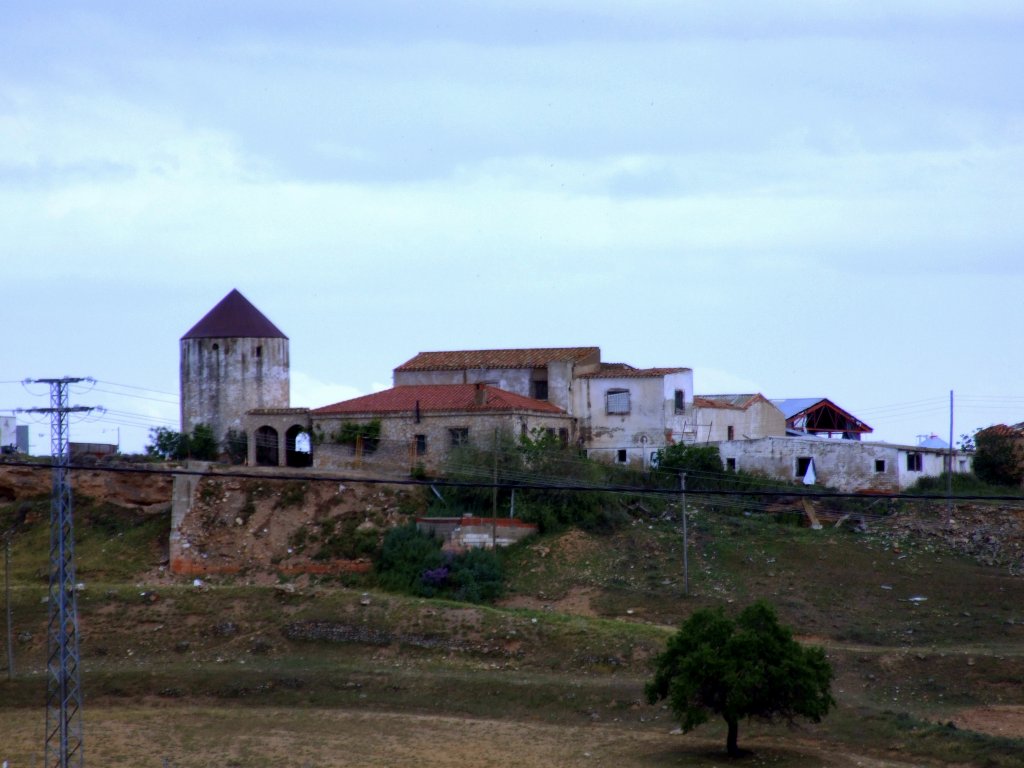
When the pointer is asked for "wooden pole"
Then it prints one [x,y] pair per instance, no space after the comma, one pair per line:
[686,542]
[7,602]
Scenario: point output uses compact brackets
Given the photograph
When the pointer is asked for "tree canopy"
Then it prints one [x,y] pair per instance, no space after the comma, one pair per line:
[997,457]
[743,668]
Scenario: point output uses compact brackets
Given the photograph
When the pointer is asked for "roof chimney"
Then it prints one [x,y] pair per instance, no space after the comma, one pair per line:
[480,396]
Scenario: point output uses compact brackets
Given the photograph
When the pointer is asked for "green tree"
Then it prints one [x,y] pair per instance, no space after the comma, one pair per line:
[167,444]
[702,460]
[997,459]
[750,667]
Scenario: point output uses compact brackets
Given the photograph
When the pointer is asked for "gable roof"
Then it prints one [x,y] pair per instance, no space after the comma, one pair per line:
[819,414]
[234,317]
[499,358]
[437,397]
[626,371]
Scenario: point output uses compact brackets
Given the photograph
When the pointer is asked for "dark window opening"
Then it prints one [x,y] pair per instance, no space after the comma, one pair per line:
[215,346]
[915,462]
[730,432]
[459,436]
[680,401]
[421,444]
[563,437]
[730,464]
[803,463]
[540,390]
[622,457]
[259,351]
[879,465]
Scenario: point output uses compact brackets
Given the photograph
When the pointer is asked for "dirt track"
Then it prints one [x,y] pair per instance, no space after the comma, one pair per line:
[198,737]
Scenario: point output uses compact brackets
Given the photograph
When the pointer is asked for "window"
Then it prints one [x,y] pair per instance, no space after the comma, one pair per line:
[259,351]
[915,462]
[563,437]
[621,456]
[879,465]
[681,401]
[459,436]
[730,432]
[730,464]
[617,401]
[421,444]
[540,390]
[803,463]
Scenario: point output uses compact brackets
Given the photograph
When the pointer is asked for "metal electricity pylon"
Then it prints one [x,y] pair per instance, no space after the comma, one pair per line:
[64,746]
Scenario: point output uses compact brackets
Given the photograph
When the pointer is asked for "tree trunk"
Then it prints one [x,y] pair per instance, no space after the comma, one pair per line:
[730,740]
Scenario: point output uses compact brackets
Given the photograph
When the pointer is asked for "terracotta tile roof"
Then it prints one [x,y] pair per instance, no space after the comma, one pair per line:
[625,371]
[234,317]
[739,402]
[437,397]
[1002,430]
[498,358]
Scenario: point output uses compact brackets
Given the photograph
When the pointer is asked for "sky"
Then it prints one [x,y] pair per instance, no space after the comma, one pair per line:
[796,198]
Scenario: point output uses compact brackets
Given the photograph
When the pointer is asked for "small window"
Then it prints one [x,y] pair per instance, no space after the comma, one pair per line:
[216,346]
[421,444]
[730,432]
[540,390]
[459,436]
[259,351]
[680,401]
[617,401]
[621,456]
[915,462]
[563,437]
[730,464]
[879,465]
[803,463]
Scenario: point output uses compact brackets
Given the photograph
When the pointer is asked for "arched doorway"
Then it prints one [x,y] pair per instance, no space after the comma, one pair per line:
[298,447]
[266,447]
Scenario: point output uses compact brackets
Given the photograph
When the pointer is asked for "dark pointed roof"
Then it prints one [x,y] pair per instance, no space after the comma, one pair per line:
[234,318]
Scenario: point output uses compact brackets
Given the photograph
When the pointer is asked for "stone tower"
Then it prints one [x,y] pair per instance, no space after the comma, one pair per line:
[233,360]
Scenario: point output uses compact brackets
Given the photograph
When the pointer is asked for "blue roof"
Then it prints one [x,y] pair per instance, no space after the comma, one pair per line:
[794,405]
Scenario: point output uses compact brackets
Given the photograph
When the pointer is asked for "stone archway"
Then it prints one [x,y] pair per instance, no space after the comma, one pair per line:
[267,448]
[298,447]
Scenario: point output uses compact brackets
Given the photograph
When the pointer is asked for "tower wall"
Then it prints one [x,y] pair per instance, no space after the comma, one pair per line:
[222,378]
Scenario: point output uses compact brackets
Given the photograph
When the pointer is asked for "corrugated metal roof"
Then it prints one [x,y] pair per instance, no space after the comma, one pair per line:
[234,317]
[498,358]
[792,406]
[437,397]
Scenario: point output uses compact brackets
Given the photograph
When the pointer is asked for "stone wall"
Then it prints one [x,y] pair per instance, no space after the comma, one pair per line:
[221,379]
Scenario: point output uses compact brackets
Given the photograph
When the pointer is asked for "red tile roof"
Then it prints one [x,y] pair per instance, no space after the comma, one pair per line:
[499,358]
[234,317]
[437,397]
[625,371]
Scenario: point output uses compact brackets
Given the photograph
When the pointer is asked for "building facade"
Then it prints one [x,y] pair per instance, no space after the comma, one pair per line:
[736,417]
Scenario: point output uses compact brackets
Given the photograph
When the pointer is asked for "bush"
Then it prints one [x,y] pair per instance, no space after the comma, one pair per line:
[413,562]
[539,458]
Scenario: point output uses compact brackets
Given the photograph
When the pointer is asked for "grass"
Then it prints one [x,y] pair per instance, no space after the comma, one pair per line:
[904,668]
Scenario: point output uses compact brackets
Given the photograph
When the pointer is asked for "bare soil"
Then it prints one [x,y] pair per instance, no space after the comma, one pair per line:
[238,737]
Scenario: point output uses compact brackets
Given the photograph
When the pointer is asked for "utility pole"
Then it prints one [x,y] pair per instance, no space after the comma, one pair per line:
[64,746]
[949,469]
[8,537]
[686,542]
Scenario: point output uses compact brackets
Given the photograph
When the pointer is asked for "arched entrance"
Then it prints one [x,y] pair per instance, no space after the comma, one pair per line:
[298,447]
[266,447]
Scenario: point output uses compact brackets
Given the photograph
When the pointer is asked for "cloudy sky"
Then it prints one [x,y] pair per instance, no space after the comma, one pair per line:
[801,199]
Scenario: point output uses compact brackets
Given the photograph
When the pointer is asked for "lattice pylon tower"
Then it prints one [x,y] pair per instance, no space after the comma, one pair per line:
[64,745]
